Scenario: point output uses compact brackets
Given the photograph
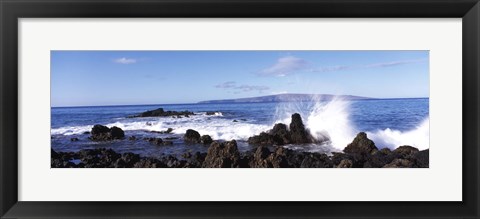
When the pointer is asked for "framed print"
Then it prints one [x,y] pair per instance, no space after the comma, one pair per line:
[239,109]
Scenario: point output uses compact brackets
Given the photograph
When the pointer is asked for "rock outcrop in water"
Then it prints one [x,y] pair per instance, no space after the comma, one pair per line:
[360,153]
[192,136]
[103,133]
[161,113]
[280,135]
[361,145]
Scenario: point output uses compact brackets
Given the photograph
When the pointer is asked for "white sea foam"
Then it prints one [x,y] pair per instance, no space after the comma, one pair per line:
[326,121]
[329,121]
[388,138]
[215,126]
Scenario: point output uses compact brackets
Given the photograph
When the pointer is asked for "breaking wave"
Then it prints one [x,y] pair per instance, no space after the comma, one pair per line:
[327,121]
[330,121]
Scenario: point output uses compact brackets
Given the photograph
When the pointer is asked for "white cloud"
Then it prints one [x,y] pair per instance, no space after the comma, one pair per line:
[232,85]
[394,63]
[247,88]
[124,60]
[228,84]
[375,65]
[285,66]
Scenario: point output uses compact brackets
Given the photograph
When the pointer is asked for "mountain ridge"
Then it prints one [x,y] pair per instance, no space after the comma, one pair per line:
[287,98]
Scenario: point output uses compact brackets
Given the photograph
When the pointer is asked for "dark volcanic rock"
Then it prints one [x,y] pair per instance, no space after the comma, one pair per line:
[103,133]
[149,163]
[192,136]
[161,113]
[53,154]
[405,151]
[222,155]
[261,139]
[206,139]
[99,129]
[132,138]
[158,141]
[280,135]
[298,134]
[260,158]
[316,160]
[361,145]
[421,159]
[400,163]
[117,133]
[346,163]
[211,113]
[280,158]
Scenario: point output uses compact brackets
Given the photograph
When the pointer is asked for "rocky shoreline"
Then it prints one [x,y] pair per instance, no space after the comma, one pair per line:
[268,153]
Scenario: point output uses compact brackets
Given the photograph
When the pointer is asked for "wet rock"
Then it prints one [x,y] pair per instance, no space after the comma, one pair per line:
[261,139]
[206,139]
[132,138]
[103,133]
[158,141]
[361,145]
[86,133]
[211,113]
[298,134]
[222,155]
[117,133]
[73,139]
[280,134]
[167,143]
[161,113]
[192,136]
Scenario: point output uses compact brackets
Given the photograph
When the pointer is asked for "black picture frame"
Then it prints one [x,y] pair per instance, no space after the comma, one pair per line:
[12,10]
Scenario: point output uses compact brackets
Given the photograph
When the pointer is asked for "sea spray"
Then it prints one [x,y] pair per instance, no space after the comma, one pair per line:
[388,138]
[330,121]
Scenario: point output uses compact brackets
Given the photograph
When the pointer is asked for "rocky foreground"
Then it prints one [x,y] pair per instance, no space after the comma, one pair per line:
[269,153]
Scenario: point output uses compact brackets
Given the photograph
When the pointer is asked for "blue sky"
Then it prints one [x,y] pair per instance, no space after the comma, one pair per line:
[89,78]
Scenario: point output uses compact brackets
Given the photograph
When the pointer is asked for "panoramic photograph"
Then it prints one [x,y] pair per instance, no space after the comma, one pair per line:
[240,109]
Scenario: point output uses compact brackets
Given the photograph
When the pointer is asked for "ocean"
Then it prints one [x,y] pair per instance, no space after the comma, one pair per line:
[388,122]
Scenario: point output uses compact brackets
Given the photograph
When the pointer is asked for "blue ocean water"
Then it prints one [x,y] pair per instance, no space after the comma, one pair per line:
[389,122]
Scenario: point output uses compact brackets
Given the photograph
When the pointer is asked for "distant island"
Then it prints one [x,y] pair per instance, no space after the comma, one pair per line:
[287,98]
